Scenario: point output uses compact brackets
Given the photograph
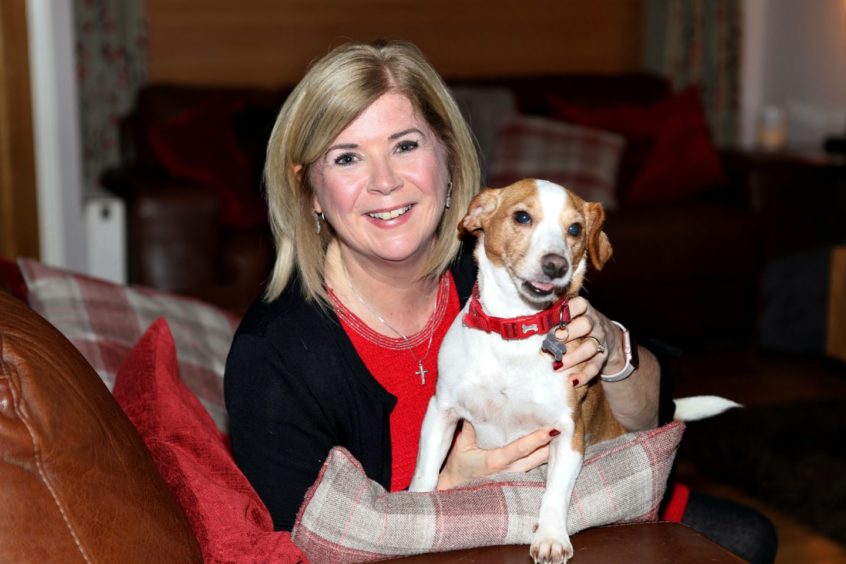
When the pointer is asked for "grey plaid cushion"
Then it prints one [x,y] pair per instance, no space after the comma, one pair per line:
[348,518]
[104,320]
[583,159]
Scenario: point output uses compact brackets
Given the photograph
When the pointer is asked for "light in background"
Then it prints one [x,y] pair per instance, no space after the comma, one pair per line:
[105,226]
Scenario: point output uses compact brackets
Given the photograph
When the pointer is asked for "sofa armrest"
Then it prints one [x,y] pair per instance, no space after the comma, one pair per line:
[173,229]
[11,281]
[636,542]
[178,243]
[77,481]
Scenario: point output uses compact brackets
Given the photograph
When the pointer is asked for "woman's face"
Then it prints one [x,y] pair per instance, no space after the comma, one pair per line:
[382,183]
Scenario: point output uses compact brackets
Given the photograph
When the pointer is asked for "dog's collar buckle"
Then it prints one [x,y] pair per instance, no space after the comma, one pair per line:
[512,328]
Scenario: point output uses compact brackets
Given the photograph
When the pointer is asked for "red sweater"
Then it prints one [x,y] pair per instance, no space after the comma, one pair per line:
[395,368]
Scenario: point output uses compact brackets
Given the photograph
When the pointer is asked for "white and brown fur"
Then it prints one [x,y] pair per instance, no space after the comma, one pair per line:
[508,389]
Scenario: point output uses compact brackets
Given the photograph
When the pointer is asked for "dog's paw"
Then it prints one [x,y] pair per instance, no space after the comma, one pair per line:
[550,548]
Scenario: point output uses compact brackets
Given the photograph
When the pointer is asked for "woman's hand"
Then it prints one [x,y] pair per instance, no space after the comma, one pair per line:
[633,401]
[601,349]
[466,461]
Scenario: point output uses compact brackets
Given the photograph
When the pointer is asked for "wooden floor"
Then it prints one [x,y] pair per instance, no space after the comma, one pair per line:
[755,378]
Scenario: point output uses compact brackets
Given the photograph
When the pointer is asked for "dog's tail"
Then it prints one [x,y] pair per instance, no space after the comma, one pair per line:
[694,408]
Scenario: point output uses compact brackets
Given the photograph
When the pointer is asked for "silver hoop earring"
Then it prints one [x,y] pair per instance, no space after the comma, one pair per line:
[448,195]
[318,218]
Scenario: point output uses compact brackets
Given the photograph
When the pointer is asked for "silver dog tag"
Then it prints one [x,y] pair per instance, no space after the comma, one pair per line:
[553,345]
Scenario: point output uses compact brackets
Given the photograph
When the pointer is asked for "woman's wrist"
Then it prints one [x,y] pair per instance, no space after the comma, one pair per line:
[635,400]
[626,357]
[445,482]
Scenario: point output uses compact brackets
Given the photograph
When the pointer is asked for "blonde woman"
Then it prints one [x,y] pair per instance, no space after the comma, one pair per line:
[370,167]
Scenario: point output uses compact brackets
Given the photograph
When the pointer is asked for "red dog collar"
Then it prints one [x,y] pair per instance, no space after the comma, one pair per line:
[516,327]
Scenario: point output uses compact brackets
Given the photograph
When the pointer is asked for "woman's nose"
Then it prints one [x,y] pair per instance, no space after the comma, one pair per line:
[383,177]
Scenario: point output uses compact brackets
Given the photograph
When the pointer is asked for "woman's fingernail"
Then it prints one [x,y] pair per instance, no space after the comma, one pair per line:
[575,382]
[554,433]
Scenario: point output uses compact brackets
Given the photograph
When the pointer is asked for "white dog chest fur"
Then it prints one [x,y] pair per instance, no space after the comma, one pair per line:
[505,394]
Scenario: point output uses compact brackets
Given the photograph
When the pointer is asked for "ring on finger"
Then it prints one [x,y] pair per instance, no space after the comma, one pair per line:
[600,348]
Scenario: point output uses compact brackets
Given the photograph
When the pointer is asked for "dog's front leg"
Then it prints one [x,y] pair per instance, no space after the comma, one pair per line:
[551,543]
[435,439]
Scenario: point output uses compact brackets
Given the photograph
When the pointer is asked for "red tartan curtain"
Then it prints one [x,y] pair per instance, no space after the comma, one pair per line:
[698,42]
[111,53]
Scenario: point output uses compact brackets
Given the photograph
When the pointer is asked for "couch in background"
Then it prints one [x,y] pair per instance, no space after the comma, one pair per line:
[687,245]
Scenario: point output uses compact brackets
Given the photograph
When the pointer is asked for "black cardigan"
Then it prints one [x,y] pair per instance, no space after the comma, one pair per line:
[295,387]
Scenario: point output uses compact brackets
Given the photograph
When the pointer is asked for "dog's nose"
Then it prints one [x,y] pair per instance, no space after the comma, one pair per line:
[554,266]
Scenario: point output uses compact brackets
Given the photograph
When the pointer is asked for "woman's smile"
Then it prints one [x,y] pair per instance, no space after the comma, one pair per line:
[392,214]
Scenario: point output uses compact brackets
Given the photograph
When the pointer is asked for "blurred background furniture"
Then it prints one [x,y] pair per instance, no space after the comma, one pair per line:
[679,220]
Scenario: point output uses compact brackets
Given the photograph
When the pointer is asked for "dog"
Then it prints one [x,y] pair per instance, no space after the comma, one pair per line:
[535,242]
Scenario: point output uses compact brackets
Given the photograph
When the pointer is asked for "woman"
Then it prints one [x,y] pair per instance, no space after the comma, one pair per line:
[369,168]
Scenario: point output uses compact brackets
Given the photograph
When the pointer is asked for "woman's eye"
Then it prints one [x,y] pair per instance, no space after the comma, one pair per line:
[405,146]
[575,229]
[344,159]
[522,217]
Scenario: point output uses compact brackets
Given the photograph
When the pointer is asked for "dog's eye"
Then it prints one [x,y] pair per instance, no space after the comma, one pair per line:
[575,229]
[522,217]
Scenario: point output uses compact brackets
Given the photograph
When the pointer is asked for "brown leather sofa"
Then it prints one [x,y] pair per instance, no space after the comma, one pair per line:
[77,482]
[189,152]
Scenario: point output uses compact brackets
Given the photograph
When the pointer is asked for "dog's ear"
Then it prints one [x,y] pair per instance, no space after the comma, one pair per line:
[599,247]
[481,207]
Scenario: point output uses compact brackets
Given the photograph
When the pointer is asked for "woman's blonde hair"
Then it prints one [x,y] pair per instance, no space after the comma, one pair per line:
[335,90]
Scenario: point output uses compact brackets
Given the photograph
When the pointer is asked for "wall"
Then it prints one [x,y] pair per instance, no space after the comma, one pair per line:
[262,42]
[18,205]
[56,131]
[796,59]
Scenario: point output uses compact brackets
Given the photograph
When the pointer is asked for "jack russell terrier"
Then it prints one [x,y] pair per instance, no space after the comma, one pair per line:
[497,364]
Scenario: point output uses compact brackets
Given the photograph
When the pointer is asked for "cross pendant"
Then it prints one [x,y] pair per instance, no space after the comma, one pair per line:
[421,372]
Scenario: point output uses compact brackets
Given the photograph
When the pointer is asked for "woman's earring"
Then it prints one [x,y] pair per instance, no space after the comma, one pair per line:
[449,195]
[318,218]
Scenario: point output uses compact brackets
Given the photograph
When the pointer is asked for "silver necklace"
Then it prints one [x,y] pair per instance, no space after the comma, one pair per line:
[421,371]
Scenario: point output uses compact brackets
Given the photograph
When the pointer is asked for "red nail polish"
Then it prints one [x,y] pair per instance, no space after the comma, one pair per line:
[554,433]
[575,382]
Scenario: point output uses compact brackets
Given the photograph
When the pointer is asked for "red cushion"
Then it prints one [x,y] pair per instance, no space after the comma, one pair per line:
[669,154]
[227,516]
[201,144]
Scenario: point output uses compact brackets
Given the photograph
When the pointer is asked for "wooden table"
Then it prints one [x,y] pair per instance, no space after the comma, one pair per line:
[799,194]
[836,318]
[646,542]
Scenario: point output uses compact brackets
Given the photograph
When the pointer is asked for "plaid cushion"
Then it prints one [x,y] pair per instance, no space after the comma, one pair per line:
[104,320]
[583,159]
[346,517]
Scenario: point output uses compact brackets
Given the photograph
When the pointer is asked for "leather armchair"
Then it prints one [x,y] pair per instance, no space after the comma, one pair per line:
[78,483]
